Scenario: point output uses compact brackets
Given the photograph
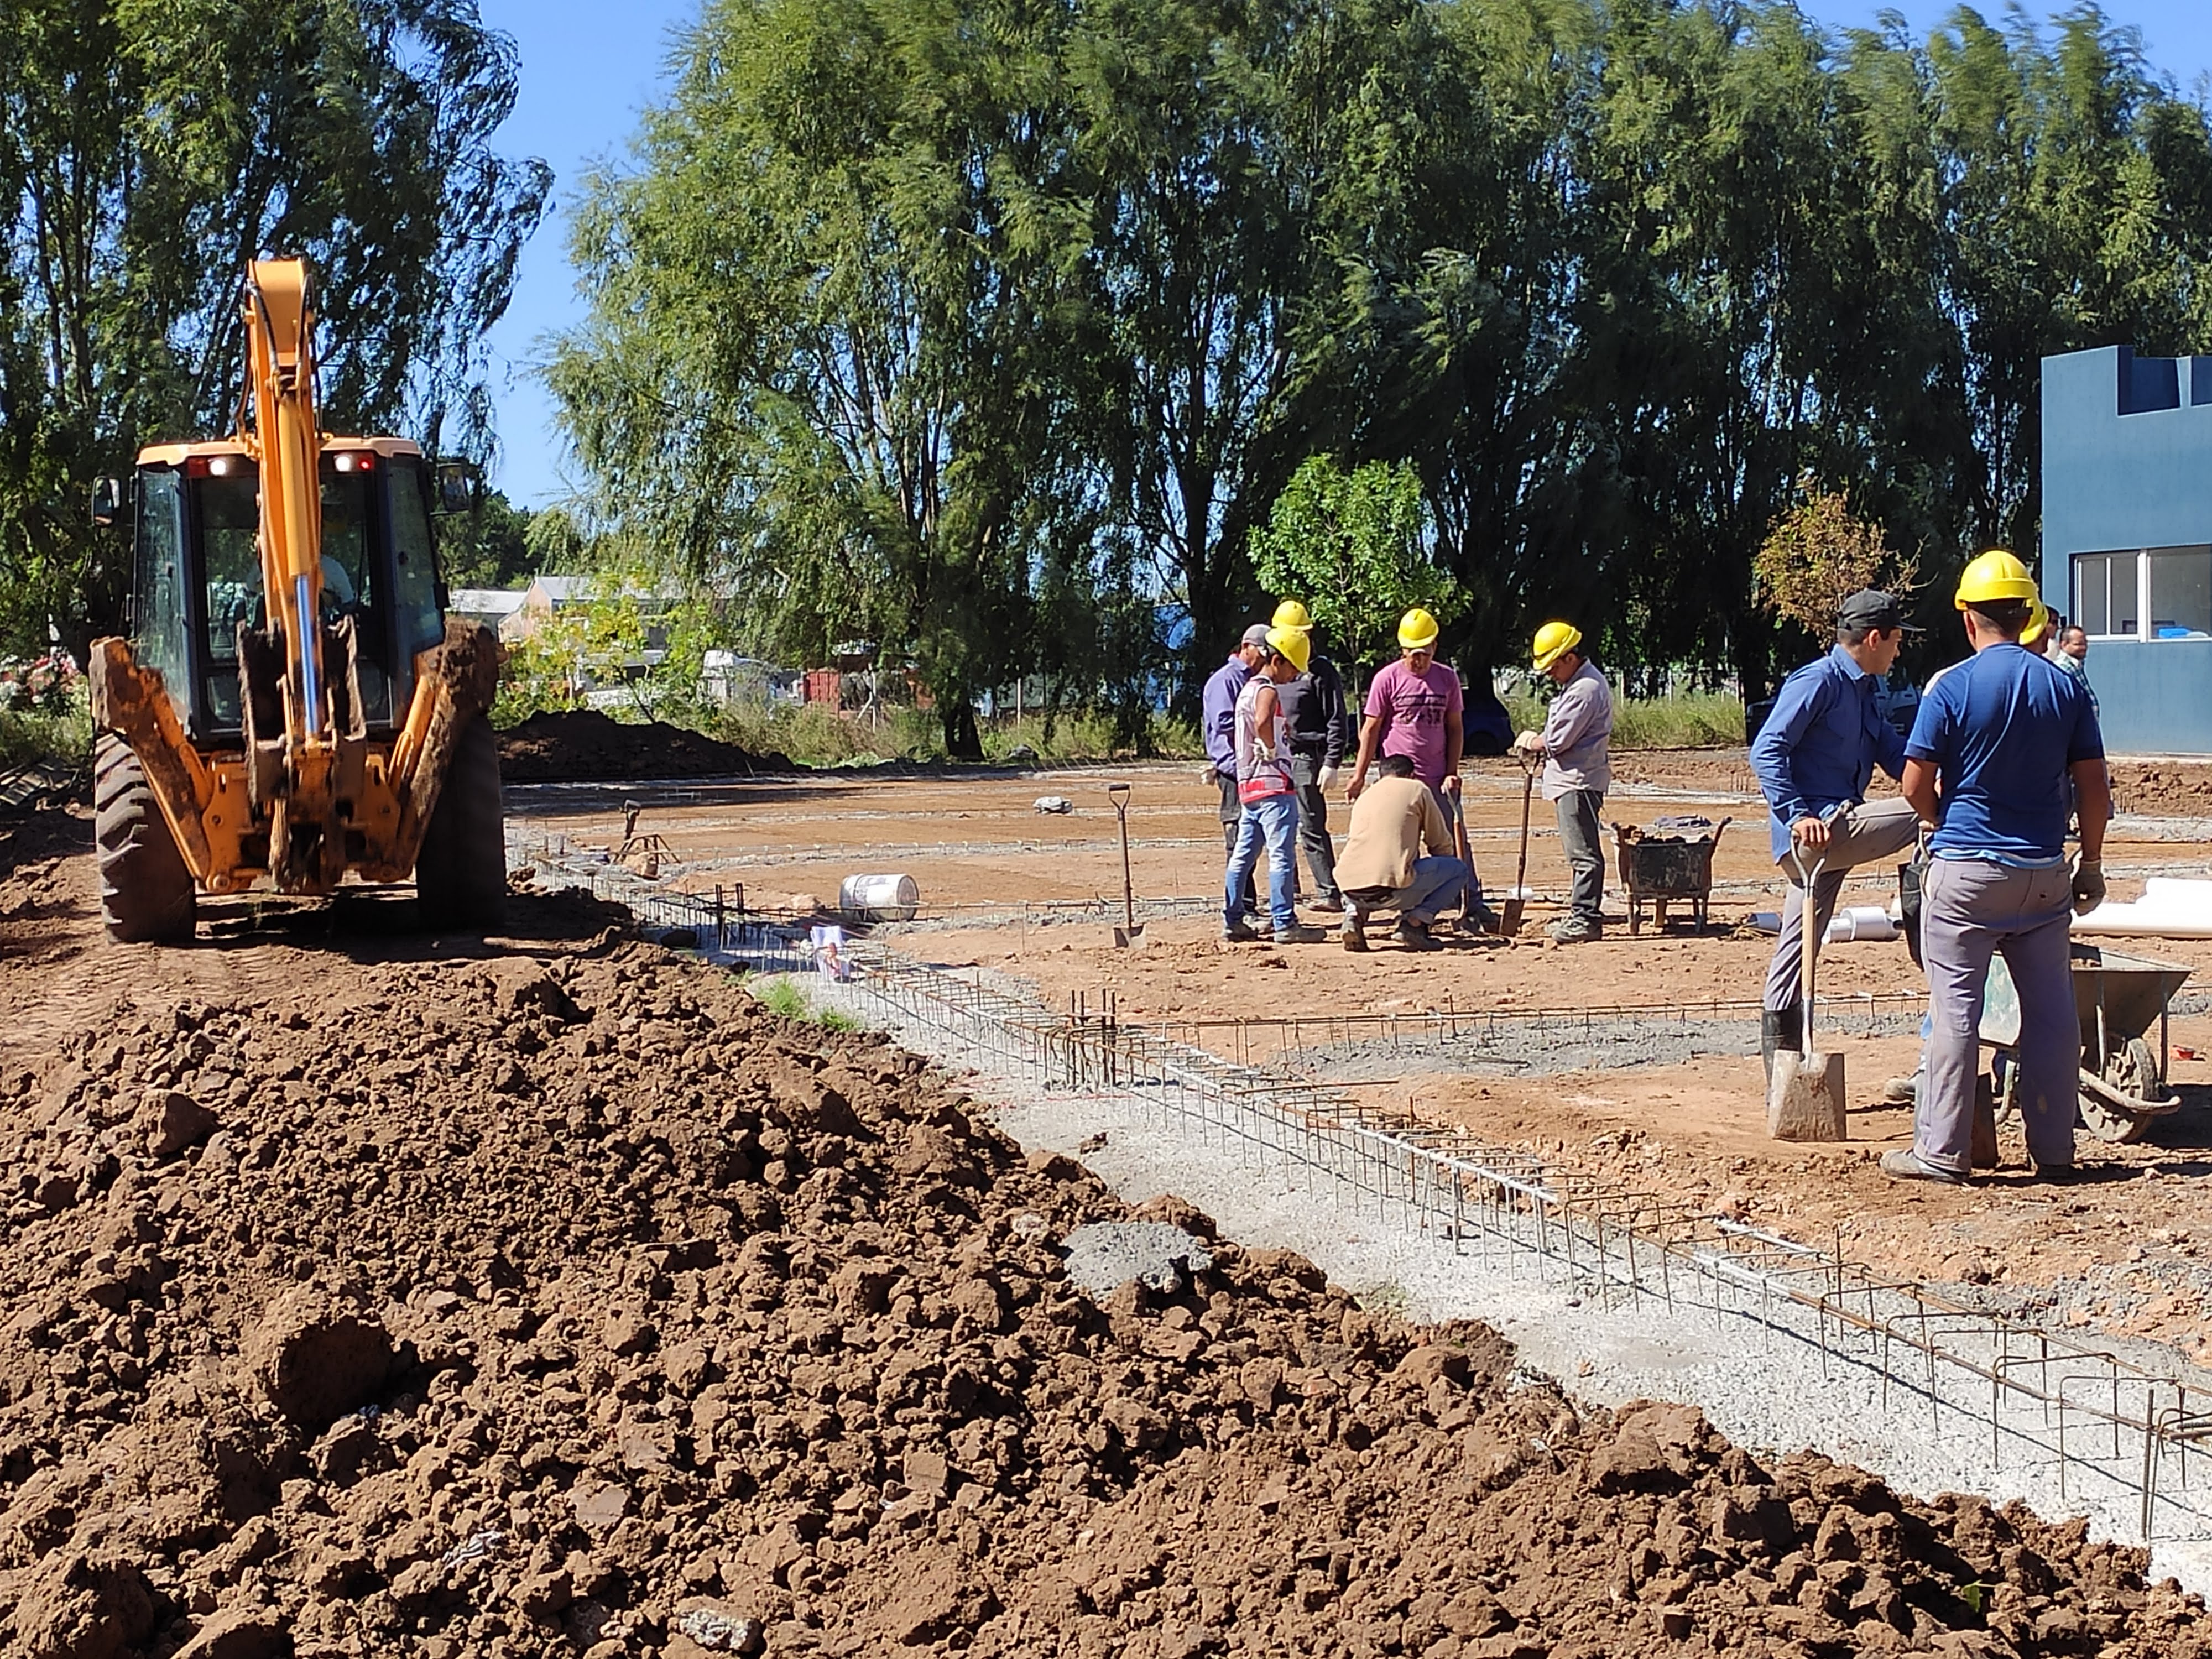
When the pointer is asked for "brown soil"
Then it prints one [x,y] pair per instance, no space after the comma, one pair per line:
[585,746]
[2173,788]
[553,1299]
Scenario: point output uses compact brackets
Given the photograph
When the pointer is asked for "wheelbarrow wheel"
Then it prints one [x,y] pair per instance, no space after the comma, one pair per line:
[2132,1068]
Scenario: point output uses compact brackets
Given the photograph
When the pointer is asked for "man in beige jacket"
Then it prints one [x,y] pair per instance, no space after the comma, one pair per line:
[1380,866]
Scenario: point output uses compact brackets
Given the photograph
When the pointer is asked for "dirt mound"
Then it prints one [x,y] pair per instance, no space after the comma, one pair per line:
[2178,789]
[585,746]
[576,1305]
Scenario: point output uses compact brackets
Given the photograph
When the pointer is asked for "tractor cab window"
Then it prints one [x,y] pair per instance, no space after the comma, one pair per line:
[159,623]
[227,508]
[350,583]
[421,624]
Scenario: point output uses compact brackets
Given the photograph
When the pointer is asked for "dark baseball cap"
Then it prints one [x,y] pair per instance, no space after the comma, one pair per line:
[1872,608]
[1255,635]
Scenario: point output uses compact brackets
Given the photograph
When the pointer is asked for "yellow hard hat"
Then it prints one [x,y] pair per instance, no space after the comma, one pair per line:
[2039,623]
[1417,631]
[1994,576]
[1553,640]
[1291,614]
[1291,642]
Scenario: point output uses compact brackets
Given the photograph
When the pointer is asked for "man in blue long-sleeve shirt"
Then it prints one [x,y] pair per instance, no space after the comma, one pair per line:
[1815,757]
[1218,719]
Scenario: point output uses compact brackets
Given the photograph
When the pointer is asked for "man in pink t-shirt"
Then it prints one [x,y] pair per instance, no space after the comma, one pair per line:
[1416,707]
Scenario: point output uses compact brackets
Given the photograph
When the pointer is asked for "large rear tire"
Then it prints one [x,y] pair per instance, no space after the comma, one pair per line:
[146,892]
[460,873]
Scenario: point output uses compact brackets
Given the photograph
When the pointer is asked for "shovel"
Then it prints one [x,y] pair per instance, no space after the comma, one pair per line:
[1131,932]
[1805,1096]
[1508,924]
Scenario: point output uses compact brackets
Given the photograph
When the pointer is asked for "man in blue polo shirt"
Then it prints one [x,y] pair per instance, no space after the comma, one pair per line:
[1988,762]
[1814,758]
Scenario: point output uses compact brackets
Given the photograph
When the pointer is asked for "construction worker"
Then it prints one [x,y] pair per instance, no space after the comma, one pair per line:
[1575,747]
[1267,795]
[1218,719]
[1416,707]
[1313,704]
[1393,820]
[2073,657]
[1987,767]
[1814,758]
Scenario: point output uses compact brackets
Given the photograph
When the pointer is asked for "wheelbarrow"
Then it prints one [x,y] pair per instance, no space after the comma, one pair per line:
[2118,998]
[1670,859]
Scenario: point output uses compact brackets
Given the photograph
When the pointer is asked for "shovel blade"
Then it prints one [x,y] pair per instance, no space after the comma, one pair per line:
[1129,938]
[1805,1099]
[1509,919]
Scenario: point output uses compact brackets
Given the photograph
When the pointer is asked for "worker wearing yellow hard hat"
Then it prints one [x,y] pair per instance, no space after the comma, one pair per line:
[1313,707]
[1815,757]
[1575,749]
[1994,748]
[1417,708]
[1267,794]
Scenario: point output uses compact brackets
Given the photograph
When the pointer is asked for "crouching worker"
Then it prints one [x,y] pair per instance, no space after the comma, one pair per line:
[1381,867]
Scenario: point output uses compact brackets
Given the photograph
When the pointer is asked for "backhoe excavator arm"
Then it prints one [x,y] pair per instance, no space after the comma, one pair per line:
[286,443]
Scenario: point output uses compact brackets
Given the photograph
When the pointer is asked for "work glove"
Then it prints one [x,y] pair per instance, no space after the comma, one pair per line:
[1529,742]
[2088,884]
[1208,775]
[1325,779]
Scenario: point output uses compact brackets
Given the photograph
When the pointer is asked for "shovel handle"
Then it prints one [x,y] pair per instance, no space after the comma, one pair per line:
[1809,943]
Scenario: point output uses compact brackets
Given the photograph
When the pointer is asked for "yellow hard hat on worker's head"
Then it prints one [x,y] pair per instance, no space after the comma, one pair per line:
[1291,642]
[1417,631]
[1993,578]
[2038,624]
[1291,614]
[1553,640]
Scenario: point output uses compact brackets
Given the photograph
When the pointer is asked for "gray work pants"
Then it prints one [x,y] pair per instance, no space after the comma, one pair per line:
[1232,814]
[1971,910]
[1312,824]
[1577,811]
[1872,830]
[1437,884]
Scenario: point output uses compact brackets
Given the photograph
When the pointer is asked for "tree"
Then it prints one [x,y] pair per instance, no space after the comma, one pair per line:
[147,152]
[1817,554]
[487,546]
[1352,545]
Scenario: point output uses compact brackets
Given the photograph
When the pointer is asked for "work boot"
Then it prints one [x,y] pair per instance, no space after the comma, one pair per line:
[1778,1028]
[1481,919]
[1415,936]
[1300,933]
[1902,1163]
[1576,930]
[1901,1091]
[1328,903]
[1353,935]
[1238,933]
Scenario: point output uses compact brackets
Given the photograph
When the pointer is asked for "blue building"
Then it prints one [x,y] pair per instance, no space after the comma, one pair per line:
[2127,537]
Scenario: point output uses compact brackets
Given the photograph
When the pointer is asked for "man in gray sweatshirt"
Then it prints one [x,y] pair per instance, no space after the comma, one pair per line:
[1576,748]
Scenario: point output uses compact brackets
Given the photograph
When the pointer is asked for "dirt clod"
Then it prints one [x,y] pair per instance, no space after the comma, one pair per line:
[316,1362]
[173,1121]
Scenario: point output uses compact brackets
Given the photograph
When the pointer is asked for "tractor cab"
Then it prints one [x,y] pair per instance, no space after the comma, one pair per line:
[197,576]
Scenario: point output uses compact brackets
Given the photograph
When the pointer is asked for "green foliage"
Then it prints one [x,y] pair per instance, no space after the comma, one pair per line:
[982,330]
[1816,555]
[489,547]
[785,998]
[1353,541]
[1685,719]
[150,148]
[43,733]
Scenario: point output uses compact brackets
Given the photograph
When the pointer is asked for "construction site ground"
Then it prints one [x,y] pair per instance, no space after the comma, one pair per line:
[1675,1103]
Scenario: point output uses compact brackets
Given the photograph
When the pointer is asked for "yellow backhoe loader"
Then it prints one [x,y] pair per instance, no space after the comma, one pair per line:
[292,703]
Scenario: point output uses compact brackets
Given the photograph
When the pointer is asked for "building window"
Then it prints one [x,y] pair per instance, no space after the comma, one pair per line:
[2158,593]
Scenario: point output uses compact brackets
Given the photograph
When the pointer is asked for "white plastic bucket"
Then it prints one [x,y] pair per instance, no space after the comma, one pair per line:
[879,898]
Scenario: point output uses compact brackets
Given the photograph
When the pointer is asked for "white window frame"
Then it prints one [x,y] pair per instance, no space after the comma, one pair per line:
[2142,556]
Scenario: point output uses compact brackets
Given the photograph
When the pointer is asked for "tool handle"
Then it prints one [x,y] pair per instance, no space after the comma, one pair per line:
[1809,944]
[1528,794]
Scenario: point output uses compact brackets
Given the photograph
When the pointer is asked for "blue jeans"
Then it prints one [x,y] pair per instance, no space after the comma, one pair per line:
[1438,883]
[1275,818]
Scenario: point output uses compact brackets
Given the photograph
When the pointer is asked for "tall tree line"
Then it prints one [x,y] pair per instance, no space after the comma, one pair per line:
[980,327]
[148,150]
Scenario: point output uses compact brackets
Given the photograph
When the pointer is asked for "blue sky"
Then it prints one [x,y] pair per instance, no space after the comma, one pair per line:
[588,70]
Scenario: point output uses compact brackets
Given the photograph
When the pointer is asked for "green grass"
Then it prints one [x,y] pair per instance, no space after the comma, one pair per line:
[1689,720]
[783,997]
[30,736]
[814,736]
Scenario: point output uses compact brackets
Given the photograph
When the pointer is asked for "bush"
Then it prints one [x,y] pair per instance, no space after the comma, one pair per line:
[47,733]
[815,736]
